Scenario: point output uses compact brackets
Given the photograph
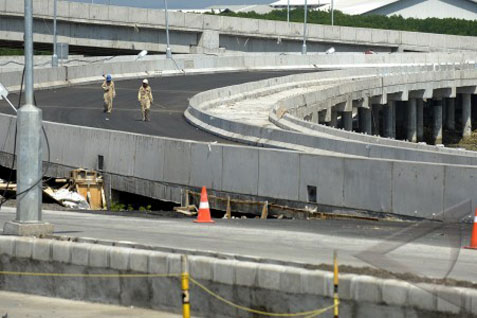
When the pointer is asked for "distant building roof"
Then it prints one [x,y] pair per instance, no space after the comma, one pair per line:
[299,3]
[241,8]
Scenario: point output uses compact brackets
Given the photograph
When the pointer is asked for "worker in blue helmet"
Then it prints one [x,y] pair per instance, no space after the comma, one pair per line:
[109,93]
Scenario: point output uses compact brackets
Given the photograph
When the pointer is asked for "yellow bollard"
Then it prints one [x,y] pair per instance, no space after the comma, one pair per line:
[335,283]
[185,288]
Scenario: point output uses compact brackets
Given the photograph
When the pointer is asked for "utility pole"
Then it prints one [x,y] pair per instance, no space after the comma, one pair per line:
[168,49]
[54,59]
[303,49]
[29,161]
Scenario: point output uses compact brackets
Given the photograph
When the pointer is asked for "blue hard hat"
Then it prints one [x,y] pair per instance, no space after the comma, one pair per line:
[108,77]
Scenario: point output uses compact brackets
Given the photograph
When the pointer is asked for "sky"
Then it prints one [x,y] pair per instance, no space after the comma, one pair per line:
[178,4]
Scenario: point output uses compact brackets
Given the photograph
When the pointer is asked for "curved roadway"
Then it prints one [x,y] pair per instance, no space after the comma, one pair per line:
[83,105]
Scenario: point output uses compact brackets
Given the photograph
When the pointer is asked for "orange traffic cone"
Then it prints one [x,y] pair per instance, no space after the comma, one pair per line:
[204,211]
[473,239]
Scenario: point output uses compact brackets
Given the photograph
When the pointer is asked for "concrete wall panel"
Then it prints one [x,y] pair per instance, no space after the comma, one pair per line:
[177,161]
[367,184]
[417,189]
[460,186]
[240,170]
[149,158]
[278,174]
[206,166]
[326,174]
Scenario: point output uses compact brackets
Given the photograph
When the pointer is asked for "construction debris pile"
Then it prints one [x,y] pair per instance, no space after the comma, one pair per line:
[83,190]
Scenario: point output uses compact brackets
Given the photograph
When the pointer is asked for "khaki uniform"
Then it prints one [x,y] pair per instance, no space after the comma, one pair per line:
[109,94]
[144,97]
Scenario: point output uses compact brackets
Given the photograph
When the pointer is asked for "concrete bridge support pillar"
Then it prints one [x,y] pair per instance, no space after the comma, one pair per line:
[450,112]
[365,120]
[420,119]
[334,119]
[390,121]
[466,115]
[375,119]
[348,121]
[437,127]
[412,120]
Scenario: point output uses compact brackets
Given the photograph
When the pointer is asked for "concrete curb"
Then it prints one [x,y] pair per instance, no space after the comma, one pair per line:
[355,290]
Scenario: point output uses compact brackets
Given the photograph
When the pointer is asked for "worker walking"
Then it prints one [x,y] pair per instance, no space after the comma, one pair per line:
[109,94]
[144,97]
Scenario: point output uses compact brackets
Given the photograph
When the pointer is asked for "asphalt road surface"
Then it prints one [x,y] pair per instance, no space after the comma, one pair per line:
[83,105]
[298,241]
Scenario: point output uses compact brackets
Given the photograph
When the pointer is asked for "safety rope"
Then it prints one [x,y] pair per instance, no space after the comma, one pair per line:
[305,314]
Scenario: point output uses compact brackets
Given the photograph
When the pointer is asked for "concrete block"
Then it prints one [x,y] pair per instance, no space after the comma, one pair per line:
[290,280]
[201,267]
[240,170]
[99,256]
[3,5]
[268,276]
[138,260]
[177,161]
[422,296]
[119,258]
[246,274]
[7,245]
[324,173]
[206,166]
[194,21]
[279,174]
[24,247]
[174,265]
[80,254]
[450,300]
[42,250]
[43,8]
[157,263]
[62,251]
[212,22]
[315,282]
[366,288]
[395,292]
[224,271]
[117,160]
[156,17]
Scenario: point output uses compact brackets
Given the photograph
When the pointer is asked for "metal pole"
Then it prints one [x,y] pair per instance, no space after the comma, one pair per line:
[332,12]
[303,49]
[168,49]
[54,59]
[29,151]
[288,11]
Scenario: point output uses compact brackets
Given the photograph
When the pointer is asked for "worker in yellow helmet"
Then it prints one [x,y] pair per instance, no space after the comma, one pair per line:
[109,93]
[144,97]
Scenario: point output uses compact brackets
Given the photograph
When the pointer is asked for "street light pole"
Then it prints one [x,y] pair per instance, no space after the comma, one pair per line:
[303,49]
[288,11]
[54,59]
[332,12]
[168,49]
[29,151]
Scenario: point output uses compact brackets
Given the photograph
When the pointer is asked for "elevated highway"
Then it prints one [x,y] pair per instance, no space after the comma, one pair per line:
[101,29]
